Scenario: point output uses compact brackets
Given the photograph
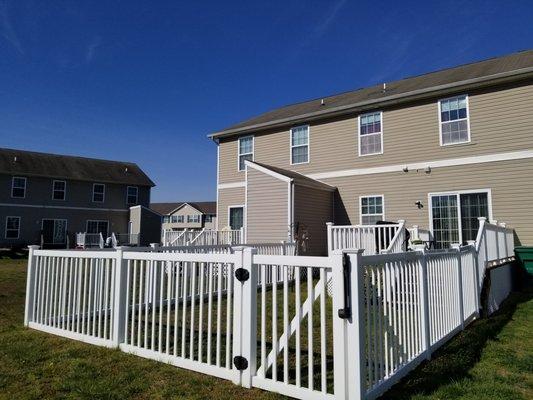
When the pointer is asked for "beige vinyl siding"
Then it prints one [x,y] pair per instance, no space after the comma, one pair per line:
[510,182]
[266,208]
[226,198]
[313,208]
[500,121]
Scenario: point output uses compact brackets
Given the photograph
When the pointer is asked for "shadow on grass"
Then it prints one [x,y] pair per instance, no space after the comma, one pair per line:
[13,254]
[452,362]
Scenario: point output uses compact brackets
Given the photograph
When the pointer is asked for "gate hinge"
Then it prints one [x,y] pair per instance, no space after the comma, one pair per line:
[240,363]
[242,274]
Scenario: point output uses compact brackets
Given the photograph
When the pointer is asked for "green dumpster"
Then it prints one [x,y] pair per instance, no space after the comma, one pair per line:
[524,254]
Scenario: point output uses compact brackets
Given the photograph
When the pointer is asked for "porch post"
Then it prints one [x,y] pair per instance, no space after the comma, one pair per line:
[28,310]
[119,303]
[329,226]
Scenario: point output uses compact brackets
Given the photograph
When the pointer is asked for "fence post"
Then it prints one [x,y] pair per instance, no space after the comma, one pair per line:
[119,302]
[416,232]
[495,223]
[460,285]
[475,265]
[249,317]
[28,310]
[329,226]
[424,304]
[155,247]
[350,338]
[503,226]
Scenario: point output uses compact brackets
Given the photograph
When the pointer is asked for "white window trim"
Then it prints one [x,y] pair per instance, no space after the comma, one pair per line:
[359,133]
[64,191]
[190,218]
[97,221]
[300,145]
[178,219]
[458,193]
[18,230]
[136,194]
[13,186]
[103,198]
[244,154]
[361,207]
[243,213]
[467,120]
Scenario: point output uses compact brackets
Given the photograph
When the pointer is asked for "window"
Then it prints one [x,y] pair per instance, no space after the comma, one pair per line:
[98,192]
[174,219]
[59,190]
[12,227]
[370,134]
[18,187]
[371,210]
[209,218]
[236,217]
[181,219]
[246,151]
[132,194]
[95,226]
[54,231]
[193,218]
[454,216]
[300,145]
[166,219]
[454,124]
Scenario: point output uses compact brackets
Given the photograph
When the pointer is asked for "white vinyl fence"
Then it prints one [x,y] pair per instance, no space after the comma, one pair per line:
[374,239]
[203,237]
[262,321]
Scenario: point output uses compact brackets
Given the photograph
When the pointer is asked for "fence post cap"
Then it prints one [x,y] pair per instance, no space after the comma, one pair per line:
[353,251]
[34,247]
[329,223]
[471,242]
[401,221]
[455,245]
[482,219]
[503,224]
[415,226]
[122,247]
[154,244]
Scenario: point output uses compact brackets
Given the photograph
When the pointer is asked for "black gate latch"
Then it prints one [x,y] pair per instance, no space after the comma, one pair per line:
[240,363]
[346,312]
[242,274]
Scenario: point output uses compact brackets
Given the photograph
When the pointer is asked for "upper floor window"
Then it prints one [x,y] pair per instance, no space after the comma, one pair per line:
[174,219]
[166,219]
[370,134]
[18,187]
[180,219]
[132,194]
[454,123]
[209,218]
[246,151]
[59,190]
[12,227]
[371,209]
[300,145]
[98,192]
[193,218]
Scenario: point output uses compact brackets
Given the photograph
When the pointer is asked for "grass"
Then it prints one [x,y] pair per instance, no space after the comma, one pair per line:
[492,359]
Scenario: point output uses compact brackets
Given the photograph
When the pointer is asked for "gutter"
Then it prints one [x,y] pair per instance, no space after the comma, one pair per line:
[481,82]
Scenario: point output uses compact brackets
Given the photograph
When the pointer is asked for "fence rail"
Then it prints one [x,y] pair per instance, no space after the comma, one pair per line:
[203,237]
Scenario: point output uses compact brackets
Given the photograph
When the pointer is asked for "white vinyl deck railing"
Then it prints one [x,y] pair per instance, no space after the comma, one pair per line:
[124,239]
[203,237]
[89,240]
[261,320]
[374,239]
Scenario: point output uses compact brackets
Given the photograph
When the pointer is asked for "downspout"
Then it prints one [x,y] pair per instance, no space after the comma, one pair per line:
[291,210]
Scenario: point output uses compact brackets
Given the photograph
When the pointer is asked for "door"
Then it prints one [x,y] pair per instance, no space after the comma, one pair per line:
[54,231]
[236,217]
[455,216]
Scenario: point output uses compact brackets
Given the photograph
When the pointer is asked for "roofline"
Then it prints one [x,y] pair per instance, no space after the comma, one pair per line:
[146,208]
[479,82]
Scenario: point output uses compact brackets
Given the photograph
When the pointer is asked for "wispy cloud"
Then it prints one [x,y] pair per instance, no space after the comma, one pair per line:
[323,26]
[7,30]
[91,48]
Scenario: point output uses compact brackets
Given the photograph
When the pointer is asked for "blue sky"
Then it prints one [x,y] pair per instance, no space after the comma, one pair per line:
[146,81]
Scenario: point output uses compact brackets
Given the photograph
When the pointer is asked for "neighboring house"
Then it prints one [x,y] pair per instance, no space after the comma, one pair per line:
[47,198]
[187,215]
[438,150]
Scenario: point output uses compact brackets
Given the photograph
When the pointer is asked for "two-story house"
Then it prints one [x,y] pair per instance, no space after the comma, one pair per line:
[187,215]
[438,150]
[47,198]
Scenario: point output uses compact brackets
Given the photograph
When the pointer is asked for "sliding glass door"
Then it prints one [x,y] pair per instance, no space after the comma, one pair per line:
[454,216]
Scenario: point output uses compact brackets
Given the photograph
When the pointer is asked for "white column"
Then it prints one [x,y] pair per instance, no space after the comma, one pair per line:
[329,226]
[424,304]
[476,274]
[119,303]
[28,310]
[249,316]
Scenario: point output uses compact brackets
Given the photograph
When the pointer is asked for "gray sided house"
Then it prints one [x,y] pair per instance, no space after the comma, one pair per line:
[46,198]
[187,215]
[438,150]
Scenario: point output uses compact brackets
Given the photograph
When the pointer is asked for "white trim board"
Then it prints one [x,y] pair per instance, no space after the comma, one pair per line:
[266,171]
[232,185]
[62,207]
[515,155]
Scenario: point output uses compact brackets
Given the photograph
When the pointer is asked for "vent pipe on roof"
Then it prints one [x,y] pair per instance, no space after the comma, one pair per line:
[15,159]
[322,102]
[384,87]
[126,169]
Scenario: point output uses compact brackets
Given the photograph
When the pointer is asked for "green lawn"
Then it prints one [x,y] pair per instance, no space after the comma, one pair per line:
[492,359]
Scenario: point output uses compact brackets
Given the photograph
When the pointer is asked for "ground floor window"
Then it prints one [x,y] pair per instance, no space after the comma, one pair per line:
[54,231]
[12,227]
[94,226]
[236,217]
[454,216]
[371,208]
